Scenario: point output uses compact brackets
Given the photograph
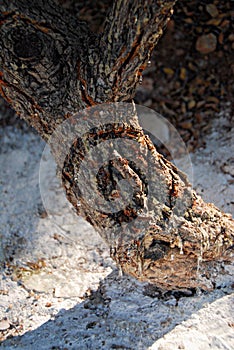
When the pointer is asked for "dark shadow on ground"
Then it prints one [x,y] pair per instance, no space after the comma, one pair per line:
[121,314]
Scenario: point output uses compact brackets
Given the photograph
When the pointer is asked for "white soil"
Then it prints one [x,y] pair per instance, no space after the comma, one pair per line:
[74,297]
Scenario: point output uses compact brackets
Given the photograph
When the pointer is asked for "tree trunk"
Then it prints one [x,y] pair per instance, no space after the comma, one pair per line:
[52,66]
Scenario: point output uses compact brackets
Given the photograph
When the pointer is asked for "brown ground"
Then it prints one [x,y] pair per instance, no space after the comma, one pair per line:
[186,84]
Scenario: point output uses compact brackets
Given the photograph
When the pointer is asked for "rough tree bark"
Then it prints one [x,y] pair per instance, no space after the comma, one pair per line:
[52,66]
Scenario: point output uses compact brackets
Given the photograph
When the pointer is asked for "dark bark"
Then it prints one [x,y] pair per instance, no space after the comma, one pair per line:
[51,67]
[165,233]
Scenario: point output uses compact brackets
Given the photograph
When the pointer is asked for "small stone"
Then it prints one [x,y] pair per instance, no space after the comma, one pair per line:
[212,99]
[186,125]
[183,73]
[4,325]
[4,292]
[48,304]
[191,104]
[214,22]
[200,104]
[231,37]
[188,20]
[192,66]
[225,23]
[168,71]
[206,43]
[228,169]
[43,214]
[183,108]
[221,36]
[212,10]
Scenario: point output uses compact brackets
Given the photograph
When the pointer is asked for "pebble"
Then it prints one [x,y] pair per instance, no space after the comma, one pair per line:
[212,10]
[225,23]
[200,104]
[231,37]
[212,99]
[191,104]
[183,73]
[4,325]
[206,43]
[186,125]
[168,71]
[214,22]
[48,304]
[221,37]
[228,169]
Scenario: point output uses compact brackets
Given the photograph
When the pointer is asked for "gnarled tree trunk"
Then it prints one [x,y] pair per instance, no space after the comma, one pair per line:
[52,66]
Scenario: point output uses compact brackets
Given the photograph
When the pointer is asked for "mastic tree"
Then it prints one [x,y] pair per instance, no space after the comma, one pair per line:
[53,66]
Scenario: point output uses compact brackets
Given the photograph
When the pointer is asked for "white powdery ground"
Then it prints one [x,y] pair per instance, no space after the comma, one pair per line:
[51,305]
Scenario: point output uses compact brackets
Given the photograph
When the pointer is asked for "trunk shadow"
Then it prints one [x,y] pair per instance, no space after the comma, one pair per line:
[121,314]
